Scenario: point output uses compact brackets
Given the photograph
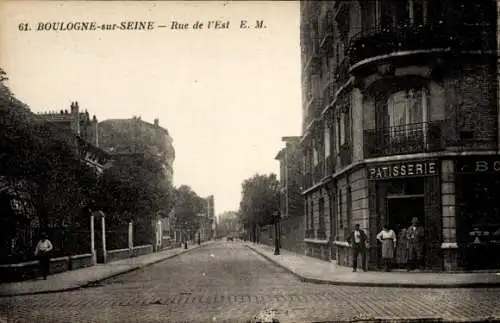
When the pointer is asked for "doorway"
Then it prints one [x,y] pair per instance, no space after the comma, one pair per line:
[400,210]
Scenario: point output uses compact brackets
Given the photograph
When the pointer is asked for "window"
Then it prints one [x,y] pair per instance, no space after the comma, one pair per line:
[339,207]
[315,156]
[327,140]
[306,213]
[311,214]
[369,15]
[405,108]
[344,126]
[321,216]
[349,207]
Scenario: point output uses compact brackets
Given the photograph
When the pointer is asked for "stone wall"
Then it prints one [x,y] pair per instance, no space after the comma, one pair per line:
[292,234]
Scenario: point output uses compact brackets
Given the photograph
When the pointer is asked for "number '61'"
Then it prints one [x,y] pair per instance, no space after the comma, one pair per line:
[23,27]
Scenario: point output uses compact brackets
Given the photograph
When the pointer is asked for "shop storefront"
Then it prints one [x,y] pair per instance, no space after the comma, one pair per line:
[477,182]
[400,191]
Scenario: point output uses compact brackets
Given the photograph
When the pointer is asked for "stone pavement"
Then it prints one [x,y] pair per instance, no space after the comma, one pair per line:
[228,282]
[315,270]
[75,279]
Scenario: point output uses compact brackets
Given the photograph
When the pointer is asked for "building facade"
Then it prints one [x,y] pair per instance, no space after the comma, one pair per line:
[85,130]
[291,201]
[400,120]
[122,137]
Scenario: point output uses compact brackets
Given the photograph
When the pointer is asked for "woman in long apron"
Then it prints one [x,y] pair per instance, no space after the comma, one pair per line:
[388,239]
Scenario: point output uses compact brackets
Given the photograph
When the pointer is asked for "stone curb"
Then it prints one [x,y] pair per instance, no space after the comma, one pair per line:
[417,320]
[95,281]
[373,284]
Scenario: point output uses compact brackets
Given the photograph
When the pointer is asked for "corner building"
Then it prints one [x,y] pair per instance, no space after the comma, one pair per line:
[400,120]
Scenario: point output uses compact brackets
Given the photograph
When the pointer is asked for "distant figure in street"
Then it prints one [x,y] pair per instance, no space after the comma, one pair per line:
[42,251]
[357,240]
[416,237]
[388,239]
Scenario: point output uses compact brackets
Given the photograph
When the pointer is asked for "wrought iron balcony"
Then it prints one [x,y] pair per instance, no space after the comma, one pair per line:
[383,41]
[405,139]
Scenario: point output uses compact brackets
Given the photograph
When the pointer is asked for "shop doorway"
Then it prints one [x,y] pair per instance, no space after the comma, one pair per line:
[400,210]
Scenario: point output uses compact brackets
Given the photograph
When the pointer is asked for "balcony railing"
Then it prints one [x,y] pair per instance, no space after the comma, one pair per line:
[404,139]
[383,41]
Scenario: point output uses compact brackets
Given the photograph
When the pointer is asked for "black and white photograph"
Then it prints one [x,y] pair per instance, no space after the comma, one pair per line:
[266,161]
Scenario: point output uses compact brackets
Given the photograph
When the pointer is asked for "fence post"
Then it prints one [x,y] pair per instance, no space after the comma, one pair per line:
[104,251]
[130,236]
[92,241]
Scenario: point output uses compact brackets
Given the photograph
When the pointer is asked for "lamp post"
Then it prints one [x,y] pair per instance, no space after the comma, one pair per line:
[276,215]
[276,219]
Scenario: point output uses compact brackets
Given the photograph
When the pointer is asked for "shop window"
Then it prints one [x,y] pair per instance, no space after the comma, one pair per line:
[321,216]
[311,213]
[349,208]
[306,214]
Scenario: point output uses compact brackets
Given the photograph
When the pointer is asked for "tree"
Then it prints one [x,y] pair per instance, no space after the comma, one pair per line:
[260,198]
[42,155]
[188,205]
[134,189]
[228,224]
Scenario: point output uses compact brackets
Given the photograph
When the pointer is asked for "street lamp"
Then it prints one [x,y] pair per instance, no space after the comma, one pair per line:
[276,215]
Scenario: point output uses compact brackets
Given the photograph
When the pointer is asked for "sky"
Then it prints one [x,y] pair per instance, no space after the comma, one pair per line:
[226,96]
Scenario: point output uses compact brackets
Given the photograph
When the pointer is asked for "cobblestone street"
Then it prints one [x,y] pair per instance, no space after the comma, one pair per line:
[226,281]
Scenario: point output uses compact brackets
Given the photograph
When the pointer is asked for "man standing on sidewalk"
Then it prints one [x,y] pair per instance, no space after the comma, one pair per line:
[42,251]
[357,240]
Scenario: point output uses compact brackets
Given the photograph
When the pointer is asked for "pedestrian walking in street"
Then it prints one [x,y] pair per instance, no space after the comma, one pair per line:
[388,239]
[357,240]
[42,252]
[416,241]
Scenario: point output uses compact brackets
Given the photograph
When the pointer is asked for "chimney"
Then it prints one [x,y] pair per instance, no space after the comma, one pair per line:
[157,123]
[95,131]
[75,118]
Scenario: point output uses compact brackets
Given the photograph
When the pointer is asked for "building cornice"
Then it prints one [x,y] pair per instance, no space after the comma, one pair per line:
[388,159]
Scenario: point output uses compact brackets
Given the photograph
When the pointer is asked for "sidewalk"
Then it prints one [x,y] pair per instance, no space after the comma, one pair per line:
[318,271]
[80,278]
